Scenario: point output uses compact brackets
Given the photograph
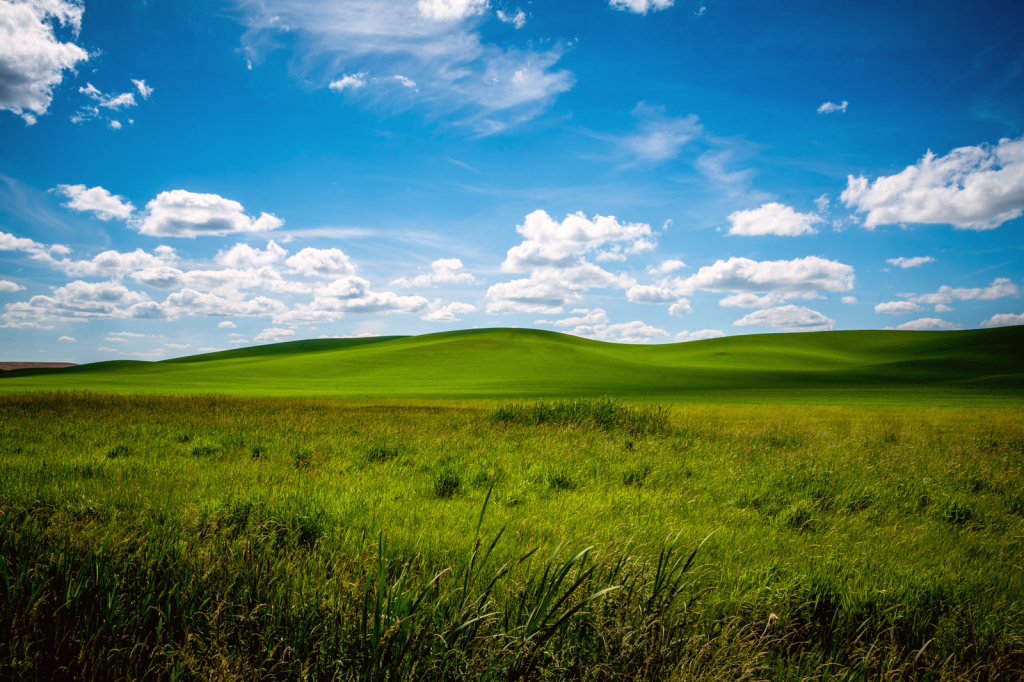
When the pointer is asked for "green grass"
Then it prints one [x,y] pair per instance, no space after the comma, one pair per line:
[978,367]
[237,538]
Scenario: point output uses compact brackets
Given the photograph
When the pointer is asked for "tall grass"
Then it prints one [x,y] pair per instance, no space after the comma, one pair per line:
[838,543]
[605,413]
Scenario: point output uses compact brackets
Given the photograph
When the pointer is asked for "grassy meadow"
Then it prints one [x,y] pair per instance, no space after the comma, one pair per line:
[241,538]
[975,367]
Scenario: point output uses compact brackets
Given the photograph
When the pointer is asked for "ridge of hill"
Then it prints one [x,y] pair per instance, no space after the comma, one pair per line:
[984,366]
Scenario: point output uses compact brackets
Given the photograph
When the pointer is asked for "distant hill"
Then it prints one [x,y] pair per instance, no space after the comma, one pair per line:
[975,367]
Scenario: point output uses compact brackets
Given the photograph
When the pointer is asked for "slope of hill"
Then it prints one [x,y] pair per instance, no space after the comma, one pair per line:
[882,367]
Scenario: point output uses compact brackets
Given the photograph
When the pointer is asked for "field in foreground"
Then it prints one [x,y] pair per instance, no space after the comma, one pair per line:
[228,538]
[978,367]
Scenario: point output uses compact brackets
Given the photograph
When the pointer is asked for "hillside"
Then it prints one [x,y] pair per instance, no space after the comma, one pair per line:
[879,367]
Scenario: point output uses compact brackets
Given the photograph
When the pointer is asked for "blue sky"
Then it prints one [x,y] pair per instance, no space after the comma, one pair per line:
[176,177]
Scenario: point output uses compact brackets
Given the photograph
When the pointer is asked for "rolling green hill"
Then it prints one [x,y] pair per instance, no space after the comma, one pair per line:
[977,367]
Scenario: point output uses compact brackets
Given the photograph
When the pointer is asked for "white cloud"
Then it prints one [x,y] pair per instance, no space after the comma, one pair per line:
[244,256]
[451,10]
[447,313]
[189,302]
[680,308]
[829,107]
[850,300]
[659,137]
[999,288]
[116,125]
[7,286]
[788,318]
[179,213]
[114,102]
[751,300]
[641,6]
[178,346]
[562,245]
[407,82]
[971,188]
[443,271]
[69,339]
[114,263]
[210,349]
[798,277]
[32,59]
[274,334]
[645,293]
[117,339]
[143,89]
[77,301]
[434,43]
[549,288]
[584,316]
[152,354]
[8,242]
[321,263]
[227,324]
[96,200]
[1004,320]
[699,335]
[898,308]
[130,335]
[773,218]
[910,262]
[927,323]
[110,350]
[665,267]
[352,80]
[630,332]
[518,19]
[238,342]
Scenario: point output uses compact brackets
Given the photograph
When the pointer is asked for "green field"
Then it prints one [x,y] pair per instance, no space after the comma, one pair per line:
[406,509]
[979,367]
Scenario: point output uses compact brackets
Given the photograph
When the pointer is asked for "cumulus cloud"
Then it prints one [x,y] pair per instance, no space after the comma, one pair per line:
[352,80]
[96,200]
[699,335]
[77,301]
[179,213]
[1004,320]
[641,6]
[910,262]
[353,294]
[583,316]
[554,253]
[178,346]
[227,324]
[549,243]
[443,271]
[274,334]
[971,188]
[999,288]
[192,303]
[434,43]
[447,313]
[321,263]
[8,286]
[773,218]
[830,107]
[645,293]
[898,308]
[850,300]
[518,19]
[659,137]
[110,350]
[788,318]
[630,332]
[802,277]
[68,339]
[665,267]
[243,256]
[927,323]
[32,58]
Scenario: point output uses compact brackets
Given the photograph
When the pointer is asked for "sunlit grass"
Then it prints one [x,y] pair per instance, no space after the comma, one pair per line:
[219,536]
